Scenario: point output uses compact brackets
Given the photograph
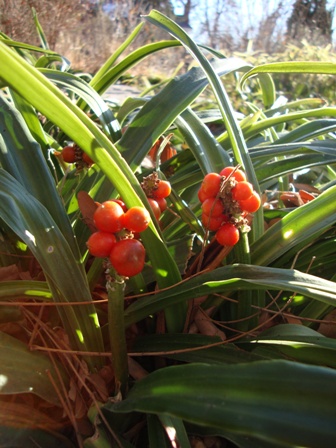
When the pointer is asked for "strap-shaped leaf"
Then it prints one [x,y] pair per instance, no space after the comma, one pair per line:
[237,140]
[276,401]
[25,371]
[298,342]
[182,347]
[160,112]
[30,220]
[90,97]
[41,93]
[22,157]
[328,68]
[233,278]
[302,224]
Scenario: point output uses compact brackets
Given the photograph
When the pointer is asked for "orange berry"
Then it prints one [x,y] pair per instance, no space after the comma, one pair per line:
[251,204]
[213,223]
[211,185]
[238,175]
[227,234]
[213,207]
[243,190]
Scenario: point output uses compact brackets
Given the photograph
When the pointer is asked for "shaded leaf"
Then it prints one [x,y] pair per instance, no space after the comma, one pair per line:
[24,426]
[277,401]
[66,278]
[192,348]
[22,370]
[298,342]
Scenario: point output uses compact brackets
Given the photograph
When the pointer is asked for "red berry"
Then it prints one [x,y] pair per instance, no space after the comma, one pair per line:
[87,159]
[243,190]
[162,190]
[211,185]
[251,204]
[128,257]
[69,154]
[227,234]
[213,207]
[238,175]
[162,204]
[213,223]
[155,207]
[121,203]
[101,243]
[202,196]
[107,217]
[136,219]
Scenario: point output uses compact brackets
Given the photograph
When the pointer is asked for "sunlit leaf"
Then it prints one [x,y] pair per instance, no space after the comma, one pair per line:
[231,278]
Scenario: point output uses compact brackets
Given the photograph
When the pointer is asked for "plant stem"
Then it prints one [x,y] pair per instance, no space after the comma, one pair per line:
[115,289]
[245,297]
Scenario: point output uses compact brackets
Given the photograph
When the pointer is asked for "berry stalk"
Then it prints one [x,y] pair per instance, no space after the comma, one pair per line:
[115,289]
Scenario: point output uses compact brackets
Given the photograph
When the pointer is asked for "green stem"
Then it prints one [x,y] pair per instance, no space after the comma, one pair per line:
[115,289]
[245,297]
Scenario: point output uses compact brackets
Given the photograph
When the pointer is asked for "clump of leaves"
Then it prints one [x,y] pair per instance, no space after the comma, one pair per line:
[205,341]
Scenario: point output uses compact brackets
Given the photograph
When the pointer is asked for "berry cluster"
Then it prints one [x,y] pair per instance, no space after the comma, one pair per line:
[156,190]
[74,154]
[118,228]
[227,198]
[116,236]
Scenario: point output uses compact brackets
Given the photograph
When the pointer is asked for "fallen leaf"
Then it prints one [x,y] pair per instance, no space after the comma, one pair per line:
[328,326]
[10,272]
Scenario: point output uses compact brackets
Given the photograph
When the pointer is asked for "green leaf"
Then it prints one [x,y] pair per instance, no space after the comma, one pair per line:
[156,434]
[300,225]
[24,288]
[328,68]
[113,58]
[208,153]
[24,371]
[232,278]
[192,348]
[308,131]
[40,32]
[90,96]
[277,401]
[41,93]
[160,111]
[176,430]
[66,278]
[110,74]
[22,157]
[106,432]
[268,89]
[275,168]
[19,436]
[298,342]
[237,140]
[267,123]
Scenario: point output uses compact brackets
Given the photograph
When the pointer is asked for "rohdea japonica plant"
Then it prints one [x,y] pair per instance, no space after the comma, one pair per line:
[225,343]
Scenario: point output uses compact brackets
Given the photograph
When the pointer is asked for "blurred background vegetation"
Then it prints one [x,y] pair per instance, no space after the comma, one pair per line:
[88,31]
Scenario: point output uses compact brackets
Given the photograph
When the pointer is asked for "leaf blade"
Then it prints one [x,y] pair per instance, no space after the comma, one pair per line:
[278,401]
